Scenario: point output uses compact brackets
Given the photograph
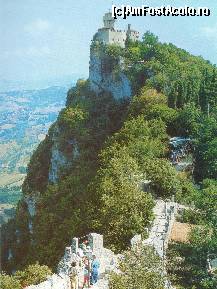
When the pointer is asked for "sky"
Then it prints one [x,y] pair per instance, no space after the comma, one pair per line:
[43,40]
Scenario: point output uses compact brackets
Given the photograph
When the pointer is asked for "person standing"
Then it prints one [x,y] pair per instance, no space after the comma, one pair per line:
[86,273]
[94,270]
[73,275]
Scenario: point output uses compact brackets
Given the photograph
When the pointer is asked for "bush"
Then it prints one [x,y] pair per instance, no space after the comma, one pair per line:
[9,282]
[188,120]
[32,275]
[166,114]
[140,138]
[146,99]
[164,179]
[140,269]
[78,93]
[73,117]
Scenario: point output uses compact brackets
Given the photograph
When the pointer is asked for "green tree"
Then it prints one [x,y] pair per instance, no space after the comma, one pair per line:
[188,120]
[205,153]
[124,210]
[146,99]
[166,114]
[163,177]
[140,268]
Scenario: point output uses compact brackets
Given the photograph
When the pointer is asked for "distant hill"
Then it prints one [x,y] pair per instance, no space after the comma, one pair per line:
[25,117]
[37,84]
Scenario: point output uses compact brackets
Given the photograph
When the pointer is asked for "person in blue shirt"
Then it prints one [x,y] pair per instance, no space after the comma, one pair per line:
[94,270]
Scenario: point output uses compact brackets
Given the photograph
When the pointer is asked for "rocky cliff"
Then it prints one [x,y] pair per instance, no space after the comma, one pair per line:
[105,74]
[95,103]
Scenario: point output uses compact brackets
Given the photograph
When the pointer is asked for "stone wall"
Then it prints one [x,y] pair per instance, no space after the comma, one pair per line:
[108,36]
[159,234]
[95,247]
[162,225]
[108,262]
[160,231]
[53,282]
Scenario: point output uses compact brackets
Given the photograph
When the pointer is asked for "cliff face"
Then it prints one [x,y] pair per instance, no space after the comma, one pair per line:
[65,146]
[60,162]
[104,78]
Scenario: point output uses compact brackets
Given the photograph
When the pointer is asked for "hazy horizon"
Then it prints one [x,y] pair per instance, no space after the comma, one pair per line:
[37,84]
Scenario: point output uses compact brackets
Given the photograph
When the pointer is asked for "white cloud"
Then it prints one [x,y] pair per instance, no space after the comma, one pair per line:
[38,26]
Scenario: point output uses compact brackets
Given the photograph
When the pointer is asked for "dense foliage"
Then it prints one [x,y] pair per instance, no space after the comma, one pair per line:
[32,275]
[140,268]
[188,262]
[182,77]
[123,209]
[9,282]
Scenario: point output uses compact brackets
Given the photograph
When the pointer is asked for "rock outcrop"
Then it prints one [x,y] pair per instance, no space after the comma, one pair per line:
[59,162]
[104,78]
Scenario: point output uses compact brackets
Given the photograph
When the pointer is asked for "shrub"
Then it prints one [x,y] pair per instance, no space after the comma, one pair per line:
[9,282]
[140,268]
[164,179]
[147,98]
[32,275]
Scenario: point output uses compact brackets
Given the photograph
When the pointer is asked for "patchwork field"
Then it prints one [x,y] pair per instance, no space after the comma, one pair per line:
[25,117]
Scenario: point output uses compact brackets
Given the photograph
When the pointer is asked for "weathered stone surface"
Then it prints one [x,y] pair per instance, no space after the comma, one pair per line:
[119,86]
[161,228]
[160,231]
[59,161]
[31,201]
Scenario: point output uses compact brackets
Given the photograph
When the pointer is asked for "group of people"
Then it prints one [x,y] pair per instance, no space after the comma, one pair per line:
[84,271]
[178,153]
[91,271]
[175,157]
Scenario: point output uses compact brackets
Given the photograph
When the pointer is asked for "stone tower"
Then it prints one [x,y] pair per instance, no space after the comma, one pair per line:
[103,76]
[109,35]
[108,21]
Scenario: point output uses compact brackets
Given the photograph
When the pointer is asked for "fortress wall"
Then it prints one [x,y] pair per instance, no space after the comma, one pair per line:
[117,37]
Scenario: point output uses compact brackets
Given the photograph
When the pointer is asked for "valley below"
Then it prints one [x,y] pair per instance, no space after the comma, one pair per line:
[25,117]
